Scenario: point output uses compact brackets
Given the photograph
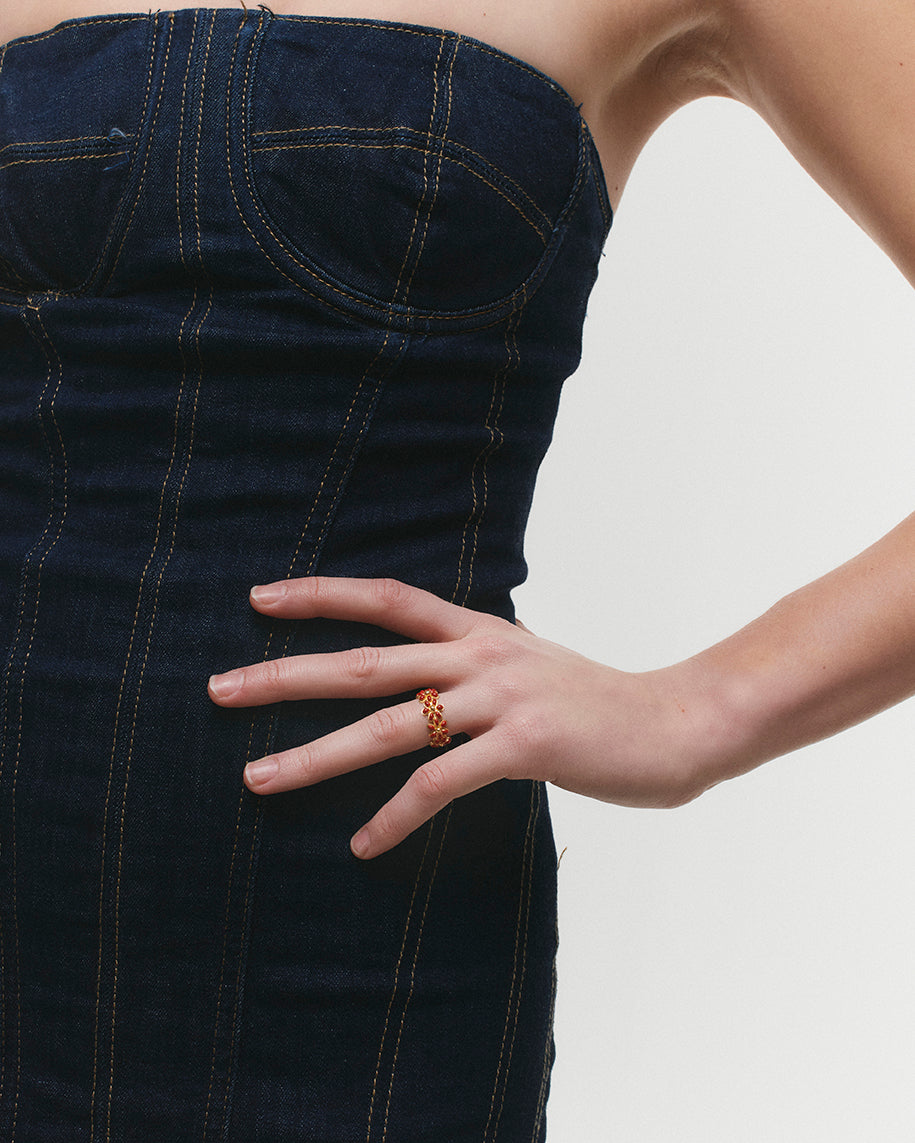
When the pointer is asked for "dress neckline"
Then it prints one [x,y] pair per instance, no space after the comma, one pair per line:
[351,21]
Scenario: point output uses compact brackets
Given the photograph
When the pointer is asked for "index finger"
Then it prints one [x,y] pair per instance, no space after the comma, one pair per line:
[386,603]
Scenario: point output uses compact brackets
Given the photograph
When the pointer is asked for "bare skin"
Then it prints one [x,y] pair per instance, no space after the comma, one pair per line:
[836,80]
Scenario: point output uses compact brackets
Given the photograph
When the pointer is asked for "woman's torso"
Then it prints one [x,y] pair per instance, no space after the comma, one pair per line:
[279,295]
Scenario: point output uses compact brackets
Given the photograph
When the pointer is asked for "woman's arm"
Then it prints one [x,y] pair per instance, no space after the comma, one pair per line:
[825,657]
[822,659]
[836,80]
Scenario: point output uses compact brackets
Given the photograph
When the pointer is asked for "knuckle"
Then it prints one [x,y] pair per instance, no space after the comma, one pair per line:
[431,784]
[273,673]
[390,593]
[306,590]
[528,734]
[361,662]
[301,764]
[385,726]
[310,587]
[384,826]
[492,651]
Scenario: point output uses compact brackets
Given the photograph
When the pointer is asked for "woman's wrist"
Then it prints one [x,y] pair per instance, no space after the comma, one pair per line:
[723,729]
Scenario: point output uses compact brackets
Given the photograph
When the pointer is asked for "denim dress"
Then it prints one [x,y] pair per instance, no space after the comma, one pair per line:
[278,296]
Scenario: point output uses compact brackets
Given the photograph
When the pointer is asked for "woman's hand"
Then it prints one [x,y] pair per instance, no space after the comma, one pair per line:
[530,708]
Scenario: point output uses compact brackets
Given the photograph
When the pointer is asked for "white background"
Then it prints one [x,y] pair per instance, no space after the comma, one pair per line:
[741,970]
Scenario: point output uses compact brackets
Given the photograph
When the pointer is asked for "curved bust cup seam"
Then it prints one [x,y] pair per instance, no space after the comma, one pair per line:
[452,148]
[412,318]
[539,230]
[353,302]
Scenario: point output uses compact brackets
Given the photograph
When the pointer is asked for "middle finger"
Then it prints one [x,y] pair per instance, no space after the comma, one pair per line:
[368,672]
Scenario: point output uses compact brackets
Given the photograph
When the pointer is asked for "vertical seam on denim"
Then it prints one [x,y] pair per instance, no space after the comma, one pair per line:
[230,880]
[61,512]
[232,859]
[409,996]
[419,207]
[206,60]
[113,228]
[181,116]
[511,344]
[225,946]
[155,602]
[329,465]
[117,715]
[233,1031]
[514,996]
[422,199]
[317,500]
[150,137]
[400,957]
[307,571]
[442,138]
[387,335]
[154,551]
[477,462]
[203,76]
[284,650]
[149,635]
[478,503]
[547,1052]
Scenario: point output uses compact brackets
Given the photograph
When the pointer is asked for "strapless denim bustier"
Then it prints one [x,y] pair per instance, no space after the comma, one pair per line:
[278,296]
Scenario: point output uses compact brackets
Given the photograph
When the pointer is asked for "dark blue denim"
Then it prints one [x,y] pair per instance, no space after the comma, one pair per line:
[278,296]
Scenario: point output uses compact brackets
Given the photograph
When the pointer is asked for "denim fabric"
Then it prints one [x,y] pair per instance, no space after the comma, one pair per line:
[278,296]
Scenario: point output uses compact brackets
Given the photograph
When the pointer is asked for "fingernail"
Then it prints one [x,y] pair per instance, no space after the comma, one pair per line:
[224,685]
[360,843]
[268,592]
[261,771]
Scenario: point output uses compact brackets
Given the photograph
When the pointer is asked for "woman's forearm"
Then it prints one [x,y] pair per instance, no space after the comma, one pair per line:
[823,658]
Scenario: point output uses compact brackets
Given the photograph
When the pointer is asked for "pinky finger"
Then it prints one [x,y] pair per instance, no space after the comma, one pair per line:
[428,789]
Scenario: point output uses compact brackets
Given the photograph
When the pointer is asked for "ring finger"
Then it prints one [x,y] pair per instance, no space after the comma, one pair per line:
[386,733]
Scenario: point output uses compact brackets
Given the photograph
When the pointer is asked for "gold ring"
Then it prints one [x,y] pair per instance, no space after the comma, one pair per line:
[432,709]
